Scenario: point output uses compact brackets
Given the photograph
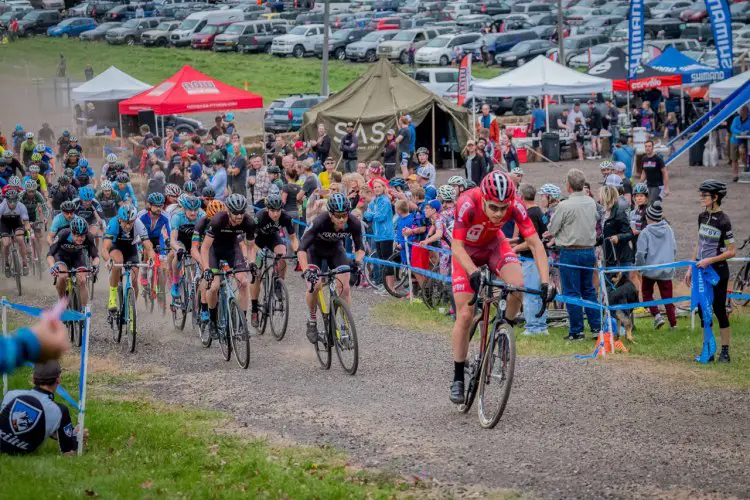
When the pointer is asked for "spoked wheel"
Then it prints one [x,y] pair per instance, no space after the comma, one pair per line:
[180,311]
[434,294]
[740,285]
[472,368]
[496,377]
[264,304]
[132,325]
[400,288]
[148,295]
[324,344]
[17,270]
[237,326]
[161,291]
[373,272]
[116,317]
[75,328]
[344,335]
[279,309]
[224,334]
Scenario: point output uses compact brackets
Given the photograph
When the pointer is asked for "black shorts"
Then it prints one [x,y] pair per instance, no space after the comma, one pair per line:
[332,261]
[10,226]
[270,242]
[71,261]
[595,132]
[232,256]
[129,253]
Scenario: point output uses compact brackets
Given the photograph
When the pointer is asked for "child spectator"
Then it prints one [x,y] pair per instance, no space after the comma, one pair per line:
[405,220]
[420,257]
[638,214]
[437,231]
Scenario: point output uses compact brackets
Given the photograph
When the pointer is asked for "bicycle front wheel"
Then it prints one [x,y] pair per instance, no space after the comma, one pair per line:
[344,335]
[17,270]
[132,325]
[496,377]
[471,366]
[118,316]
[324,345]
[265,303]
[180,312]
[75,327]
[222,328]
[239,335]
[279,309]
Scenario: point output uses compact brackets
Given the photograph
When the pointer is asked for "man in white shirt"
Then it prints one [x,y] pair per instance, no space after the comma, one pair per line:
[575,113]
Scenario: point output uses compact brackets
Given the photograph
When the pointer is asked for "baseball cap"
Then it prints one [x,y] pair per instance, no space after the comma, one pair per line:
[390,132]
[619,166]
[47,373]
[613,180]
[412,177]
[422,172]
[349,125]
[408,117]
[435,204]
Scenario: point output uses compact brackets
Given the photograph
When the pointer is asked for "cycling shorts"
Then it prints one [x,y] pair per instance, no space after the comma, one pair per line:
[269,242]
[495,254]
[129,252]
[75,261]
[332,261]
[232,256]
[10,226]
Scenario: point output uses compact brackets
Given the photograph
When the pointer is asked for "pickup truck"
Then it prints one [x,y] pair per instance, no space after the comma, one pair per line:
[37,22]
[299,41]
[397,48]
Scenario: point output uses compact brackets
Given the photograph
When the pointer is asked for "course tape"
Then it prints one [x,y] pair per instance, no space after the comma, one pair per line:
[36,312]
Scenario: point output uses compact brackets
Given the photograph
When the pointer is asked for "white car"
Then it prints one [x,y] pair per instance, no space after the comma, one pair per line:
[299,41]
[457,9]
[437,80]
[440,50]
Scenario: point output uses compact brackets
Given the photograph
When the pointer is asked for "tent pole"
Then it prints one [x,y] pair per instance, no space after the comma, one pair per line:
[546,110]
[682,106]
[120,126]
[627,93]
[433,133]
[474,120]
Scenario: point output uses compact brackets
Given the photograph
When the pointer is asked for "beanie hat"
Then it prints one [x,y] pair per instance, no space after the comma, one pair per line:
[654,212]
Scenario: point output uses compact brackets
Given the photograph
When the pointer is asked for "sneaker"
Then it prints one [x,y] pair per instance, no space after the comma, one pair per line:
[312,331]
[112,304]
[204,316]
[529,333]
[7,269]
[574,336]
[175,290]
[658,322]
[254,319]
[457,392]
[723,356]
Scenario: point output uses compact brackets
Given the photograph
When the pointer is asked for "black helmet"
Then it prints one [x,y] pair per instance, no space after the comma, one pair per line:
[236,203]
[337,202]
[63,180]
[79,226]
[209,192]
[67,206]
[273,202]
[123,178]
[714,187]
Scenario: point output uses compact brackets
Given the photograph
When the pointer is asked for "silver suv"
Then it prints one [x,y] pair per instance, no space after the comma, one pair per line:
[159,36]
[131,30]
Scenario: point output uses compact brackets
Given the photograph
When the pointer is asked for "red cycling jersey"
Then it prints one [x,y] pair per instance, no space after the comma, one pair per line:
[474,228]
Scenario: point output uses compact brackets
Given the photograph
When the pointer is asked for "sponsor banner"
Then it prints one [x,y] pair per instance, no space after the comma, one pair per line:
[464,79]
[635,37]
[721,25]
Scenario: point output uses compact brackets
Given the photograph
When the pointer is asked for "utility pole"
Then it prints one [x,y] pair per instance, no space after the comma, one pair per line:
[326,29]
[560,30]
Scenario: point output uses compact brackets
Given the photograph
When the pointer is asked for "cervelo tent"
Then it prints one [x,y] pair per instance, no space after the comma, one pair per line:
[541,76]
[673,61]
[722,90]
[190,91]
[615,68]
[110,85]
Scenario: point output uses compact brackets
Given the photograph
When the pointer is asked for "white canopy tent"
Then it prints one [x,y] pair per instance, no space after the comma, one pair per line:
[111,85]
[722,89]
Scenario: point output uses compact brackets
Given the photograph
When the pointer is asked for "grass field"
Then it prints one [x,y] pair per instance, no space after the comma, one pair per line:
[142,449]
[673,350]
[269,76]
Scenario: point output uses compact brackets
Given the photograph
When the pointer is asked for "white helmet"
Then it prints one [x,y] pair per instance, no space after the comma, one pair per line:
[606,165]
[106,186]
[29,135]
[551,190]
[111,158]
[446,193]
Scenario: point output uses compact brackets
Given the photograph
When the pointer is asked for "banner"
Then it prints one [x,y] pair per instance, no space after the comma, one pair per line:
[721,25]
[464,79]
[635,37]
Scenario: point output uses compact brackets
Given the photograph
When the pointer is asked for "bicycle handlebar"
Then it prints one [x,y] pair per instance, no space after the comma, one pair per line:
[329,274]
[489,280]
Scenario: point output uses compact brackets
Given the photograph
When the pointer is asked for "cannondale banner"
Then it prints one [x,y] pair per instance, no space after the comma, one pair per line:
[721,25]
[635,37]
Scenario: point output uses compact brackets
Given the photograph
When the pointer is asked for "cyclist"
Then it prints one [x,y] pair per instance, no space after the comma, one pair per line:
[190,188]
[61,192]
[47,161]
[33,200]
[113,171]
[208,194]
[121,239]
[458,183]
[89,209]
[183,225]
[156,224]
[63,144]
[171,194]
[27,148]
[71,159]
[324,242]
[124,189]
[223,242]
[5,173]
[477,241]
[14,184]
[84,174]
[40,181]
[214,207]
[74,146]
[109,200]
[62,219]
[14,220]
[268,225]
[13,163]
[110,168]
[66,252]
[18,138]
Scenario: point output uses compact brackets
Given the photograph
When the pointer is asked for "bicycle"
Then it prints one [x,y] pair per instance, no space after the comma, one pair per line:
[75,328]
[154,289]
[497,349]
[34,250]
[741,282]
[400,287]
[184,305]
[344,328]
[273,301]
[231,324]
[125,315]
[16,268]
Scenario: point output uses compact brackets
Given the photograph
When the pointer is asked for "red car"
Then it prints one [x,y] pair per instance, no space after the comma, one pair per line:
[697,15]
[204,39]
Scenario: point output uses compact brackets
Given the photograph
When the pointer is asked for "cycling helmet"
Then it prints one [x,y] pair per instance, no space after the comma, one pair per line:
[73,152]
[127,213]
[119,165]
[40,147]
[189,187]
[273,202]
[398,182]
[551,190]
[11,196]
[216,157]
[606,165]
[19,127]
[123,178]
[273,169]
[457,180]
[30,185]
[83,163]
[66,133]
[79,226]
[63,180]
[8,153]
[446,193]
[111,158]
[86,193]
[74,139]
[237,204]
[156,199]
[189,202]
[423,151]
[68,172]
[497,186]
[106,185]
[36,157]
[14,181]
[67,206]
[29,135]
[710,186]
[34,169]
[640,188]
[172,190]
[208,192]
[337,202]
[470,184]
[214,207]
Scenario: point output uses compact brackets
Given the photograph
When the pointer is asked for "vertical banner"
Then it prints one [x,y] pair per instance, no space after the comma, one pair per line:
[464,79]
[721,25]
[635,37]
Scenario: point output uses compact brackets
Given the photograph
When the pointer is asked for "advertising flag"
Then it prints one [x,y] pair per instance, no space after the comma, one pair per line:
[635,37]
[464,79]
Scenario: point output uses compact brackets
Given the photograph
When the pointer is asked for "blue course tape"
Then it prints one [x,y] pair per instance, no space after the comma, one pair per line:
[36,312]
[739,296]
[60,391]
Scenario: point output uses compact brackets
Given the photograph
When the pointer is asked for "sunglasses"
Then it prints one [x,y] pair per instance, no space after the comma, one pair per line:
[492,207]
[339,215]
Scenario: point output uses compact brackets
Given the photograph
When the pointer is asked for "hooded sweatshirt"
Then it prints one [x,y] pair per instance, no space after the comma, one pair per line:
[656,245]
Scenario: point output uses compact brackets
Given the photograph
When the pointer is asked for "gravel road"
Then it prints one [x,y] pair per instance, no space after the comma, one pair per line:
[572,429]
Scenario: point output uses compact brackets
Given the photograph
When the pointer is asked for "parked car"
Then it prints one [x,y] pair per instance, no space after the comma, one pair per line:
[578,44]
[205,38]
[530,8]
[740,12]
[259,35]
[309,18]
[599,25]
[198,20]
[455,10]
[385,23]
[131,30]
[695,14]
[436,80]
[299,41]
[97,10]
[440,49]
[672,28]
[99,32]
[670,8]
[7,17]
[367,48]
[285,114]
[125,12]
[496,43]
[523,52]
[597,54]
[397,48]
[699,31]
[36,22]
[490,7]
[72,26]
[159,36]
[339,40]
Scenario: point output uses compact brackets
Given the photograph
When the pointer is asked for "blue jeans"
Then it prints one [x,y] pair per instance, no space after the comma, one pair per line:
[579,283]
[532,303]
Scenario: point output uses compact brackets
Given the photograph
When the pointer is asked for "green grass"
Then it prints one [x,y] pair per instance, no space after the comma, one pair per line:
[266,75]
[139,448]
[667,351]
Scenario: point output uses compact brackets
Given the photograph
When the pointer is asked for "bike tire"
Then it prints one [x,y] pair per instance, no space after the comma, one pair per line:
[472,367]
[282,308]
[501,352]
[738,286]
[344,333]
[239,335]
[264,304]
[180,313]
[400,287]
[161,294]
[132,321]
[118,315]
[371,269]
[17,270]
[224,342]
[324,344]
[75,327]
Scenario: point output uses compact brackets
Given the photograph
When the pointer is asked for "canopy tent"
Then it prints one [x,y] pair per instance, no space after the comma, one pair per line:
[615,68]
[373,103]
[190,91]
[110,85]
[722,90]
[673,61]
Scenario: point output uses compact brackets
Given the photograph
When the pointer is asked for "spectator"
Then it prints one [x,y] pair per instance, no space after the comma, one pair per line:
[237,172]
[405,220]
[423,177]
[291,193]
[538,118]
[616,233]
[389,154]
[196,169]
[362,168]
[485,119]
[646,116]
[61,66]
[423,157]
[740,126]
[562,121]
[322,144]
[218,129]
[625,186]
[45,341]
[139,12]
[573,227]
[311,180]
[654,174]
[379,215]
[574,115]
[579,130]
[157,183]
[594,122]
[255,164]
[260,184]
[475,165]
[403,138]
[231,129]
[657,245]
[412,51]
[349,148]
[412,136]
[88,72]
[510,154]
[671,130]
[325,176]
[624,153]
[353,182]
[532,304]
[613,115]
[219,181]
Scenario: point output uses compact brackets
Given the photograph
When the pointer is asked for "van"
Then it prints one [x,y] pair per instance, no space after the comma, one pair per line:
[198,20]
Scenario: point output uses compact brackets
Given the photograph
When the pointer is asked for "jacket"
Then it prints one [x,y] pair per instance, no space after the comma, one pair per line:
[476,167]
[349,146]
[656,245]
[380,214]
[618,224]
[389,153]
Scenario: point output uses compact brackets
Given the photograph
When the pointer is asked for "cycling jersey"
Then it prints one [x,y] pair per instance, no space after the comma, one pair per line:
[27,149]
[185,227]
[64,250]
[88,213]
[83,175]
[323,243]
[57,196]
[127,194]
[32,203]
[58,223]
[12,219]
[154,228]
[109,203]
[227,238]
[126,241]
[172,209]
[28,417]
[267,231]
[5,174]
[714,235]
[474,228]
[200,230]
[111,173]
[41,182]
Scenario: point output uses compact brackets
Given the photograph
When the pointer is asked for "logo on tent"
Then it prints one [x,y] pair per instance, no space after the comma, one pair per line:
[160,89]
[198,87]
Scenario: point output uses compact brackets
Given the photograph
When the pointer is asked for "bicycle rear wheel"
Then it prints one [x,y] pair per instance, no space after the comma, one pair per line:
[279,310]
[400,287]
[237,328]
[17,270]
[739,285]
[180,312]
[75,327]
[132,325]
[472,368]
[373,272]
[496,377]
[324,344]
[344,335]
[222,328]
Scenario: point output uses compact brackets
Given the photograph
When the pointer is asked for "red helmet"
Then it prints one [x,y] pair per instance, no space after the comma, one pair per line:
[498,186]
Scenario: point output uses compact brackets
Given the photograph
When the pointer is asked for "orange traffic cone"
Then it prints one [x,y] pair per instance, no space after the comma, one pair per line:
[246,86]
[620,347]
[114,134]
